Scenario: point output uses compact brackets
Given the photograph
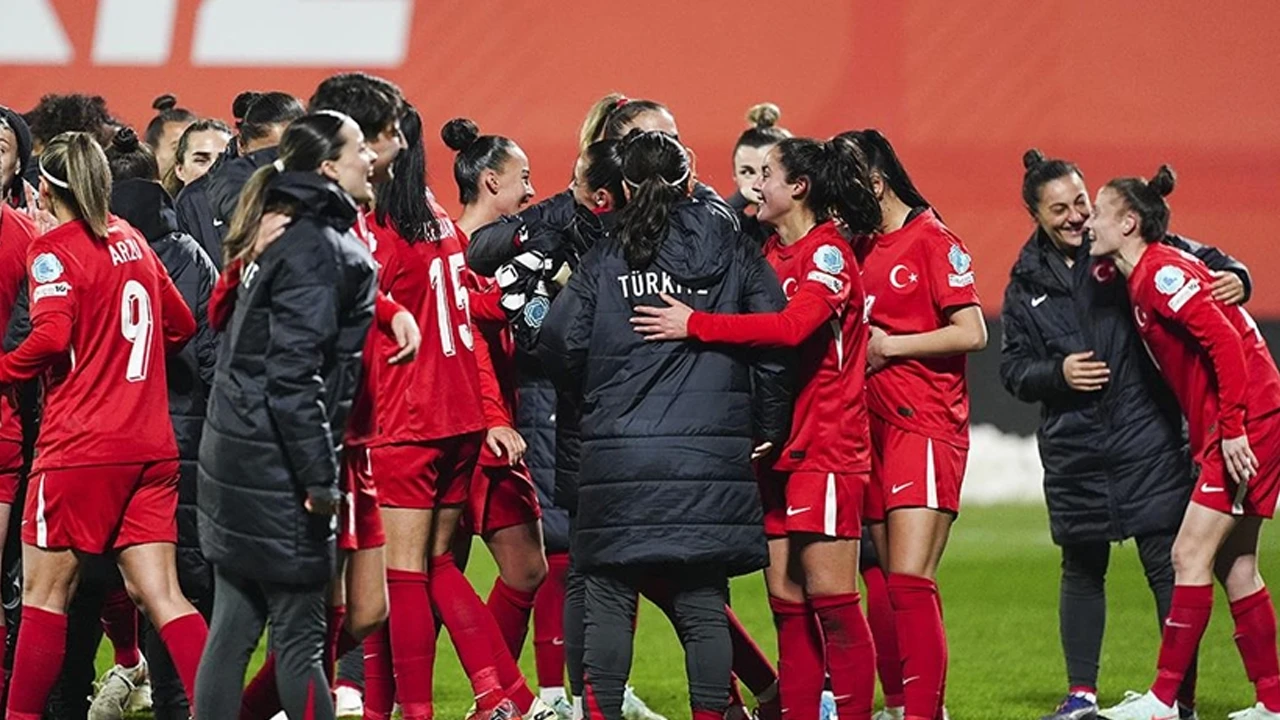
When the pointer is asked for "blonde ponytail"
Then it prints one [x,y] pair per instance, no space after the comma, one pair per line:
[76,168]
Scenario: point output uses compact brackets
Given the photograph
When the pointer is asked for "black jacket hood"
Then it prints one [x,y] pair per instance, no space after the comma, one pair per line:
[316,196]
[700,243]
[145,205]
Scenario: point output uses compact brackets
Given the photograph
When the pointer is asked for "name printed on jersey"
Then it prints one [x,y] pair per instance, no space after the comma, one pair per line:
[123,251]
[651,283]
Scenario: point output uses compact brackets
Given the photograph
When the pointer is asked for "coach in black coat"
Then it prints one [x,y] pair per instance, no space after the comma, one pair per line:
[287,373]
[668,429]
[1115,461]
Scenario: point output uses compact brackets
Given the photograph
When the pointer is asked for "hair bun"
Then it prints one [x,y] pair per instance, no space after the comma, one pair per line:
[126,140]
[764,115]
[245,100]
[459,134]
[1163,181]
[1032,158]
[164,102]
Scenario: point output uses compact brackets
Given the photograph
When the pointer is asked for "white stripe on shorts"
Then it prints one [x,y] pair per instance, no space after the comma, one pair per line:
[930,477]
[829,507]
[42,528]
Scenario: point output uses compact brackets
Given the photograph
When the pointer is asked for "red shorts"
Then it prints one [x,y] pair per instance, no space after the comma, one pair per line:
[911,470]
[423,476]
[10,467]
[819,503]
[501,497]
[1217,491]
[360,524]
[98,508]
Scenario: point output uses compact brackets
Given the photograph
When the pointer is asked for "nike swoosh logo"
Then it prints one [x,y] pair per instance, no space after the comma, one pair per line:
[1207,489]
[899,488]
[1035,302]
[908,681]
[1171,623]
[557,641]
[791,512]
[217,222]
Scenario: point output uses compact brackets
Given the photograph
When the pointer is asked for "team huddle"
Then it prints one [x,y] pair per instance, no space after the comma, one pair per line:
[260,367]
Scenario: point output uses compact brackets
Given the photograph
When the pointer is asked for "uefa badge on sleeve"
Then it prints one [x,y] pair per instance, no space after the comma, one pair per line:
[1170,279]
[829,260]
[46,268]
[962,264]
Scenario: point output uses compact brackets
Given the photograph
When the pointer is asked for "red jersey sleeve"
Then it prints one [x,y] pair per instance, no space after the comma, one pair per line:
[825,285]
[16,235]
[53,308]
[949,267]
[222,301]
[1185,302]
[177,322]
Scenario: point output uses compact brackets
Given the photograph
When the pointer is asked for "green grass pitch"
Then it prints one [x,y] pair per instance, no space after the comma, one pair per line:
[999,585]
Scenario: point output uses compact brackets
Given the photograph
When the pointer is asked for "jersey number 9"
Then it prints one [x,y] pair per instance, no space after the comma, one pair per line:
[136,325]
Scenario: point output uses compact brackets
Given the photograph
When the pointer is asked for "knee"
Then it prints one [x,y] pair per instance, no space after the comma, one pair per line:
[526,576]
[1239,576]
[1191,561]
[365,617]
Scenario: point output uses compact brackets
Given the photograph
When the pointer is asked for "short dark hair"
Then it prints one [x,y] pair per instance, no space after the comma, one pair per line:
[375,104]
[56,114]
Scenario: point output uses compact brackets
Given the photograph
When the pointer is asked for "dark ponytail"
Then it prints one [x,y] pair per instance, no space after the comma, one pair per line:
[656,167]
[403,201]
[167,111]
[129,159]
[839,181]
[1039,171]
[307,143]
[882,160]
[1147,199]
[476,153]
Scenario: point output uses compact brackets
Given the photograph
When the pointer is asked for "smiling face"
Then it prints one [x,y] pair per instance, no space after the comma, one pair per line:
[747,162]
[777,196]
[511,187]
[1063,210]
[1112,224]
[202,149]
[353,170]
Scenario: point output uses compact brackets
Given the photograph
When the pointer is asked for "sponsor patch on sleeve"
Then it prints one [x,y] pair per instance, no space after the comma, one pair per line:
[829,260]
[46,268]
[959,281]
[1170,279]
[49,290]
[832,283]
[1184,294]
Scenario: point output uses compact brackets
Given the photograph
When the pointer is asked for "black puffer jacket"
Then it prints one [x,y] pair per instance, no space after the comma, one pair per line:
[147,207]
[287,371]
[668,428]
[228,178]
[1115,462]
[195,217]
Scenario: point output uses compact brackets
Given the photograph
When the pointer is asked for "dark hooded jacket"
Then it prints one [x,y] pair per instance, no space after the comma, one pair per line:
[287,372]
[146,206]
[1115,461]
[668,428]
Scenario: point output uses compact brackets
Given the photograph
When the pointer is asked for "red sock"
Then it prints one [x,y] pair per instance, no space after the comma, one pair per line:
[922,643]
[42,645]
[413,641]
[511,609]
[885,633]
[261,699]
[851,657]
[800,664]
[750,664]
[184,638]
[120,625]
[1188,618]
[379,680]
[706,715]
[548,623]
[1256,638]
[476,638]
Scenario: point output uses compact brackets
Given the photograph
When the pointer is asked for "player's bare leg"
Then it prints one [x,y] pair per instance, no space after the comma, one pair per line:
[49,578]
[518,551]
[366,591]
[150,573]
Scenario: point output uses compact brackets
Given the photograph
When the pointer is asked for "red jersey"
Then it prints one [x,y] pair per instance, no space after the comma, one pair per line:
[1212,355]
[829,430]
[913,277]
[103,314]
[438,394]
[16,233]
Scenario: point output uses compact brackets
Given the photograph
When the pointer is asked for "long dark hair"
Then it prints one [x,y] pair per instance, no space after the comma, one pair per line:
[839,181]
[656,167]
[476,153]
[1147,199]
[76,171]
[604,169]
[883,160]
[130,159]
[309,141]
[1039,171]
[404,199]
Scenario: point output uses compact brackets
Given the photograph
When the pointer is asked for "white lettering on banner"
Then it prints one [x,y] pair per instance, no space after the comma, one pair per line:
[141,33]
